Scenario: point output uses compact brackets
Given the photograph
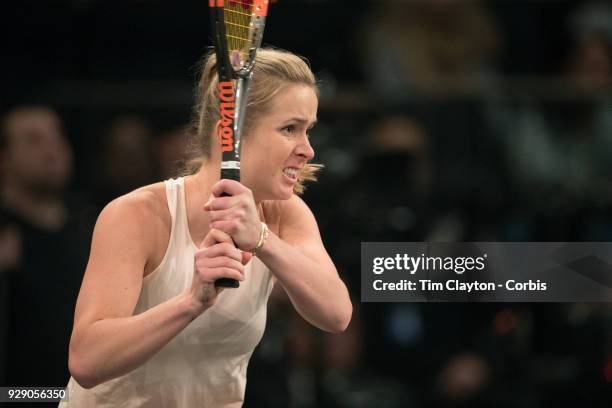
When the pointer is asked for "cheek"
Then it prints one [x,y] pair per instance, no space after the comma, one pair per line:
[255,153]
[253,162]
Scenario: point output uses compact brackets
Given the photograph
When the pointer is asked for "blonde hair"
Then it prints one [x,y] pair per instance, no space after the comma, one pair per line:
[273,70]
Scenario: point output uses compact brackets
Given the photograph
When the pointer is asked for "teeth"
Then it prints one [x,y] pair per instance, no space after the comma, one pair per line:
[292,172]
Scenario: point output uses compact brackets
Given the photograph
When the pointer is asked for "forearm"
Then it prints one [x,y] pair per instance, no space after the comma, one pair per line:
[110,348]
[315,289]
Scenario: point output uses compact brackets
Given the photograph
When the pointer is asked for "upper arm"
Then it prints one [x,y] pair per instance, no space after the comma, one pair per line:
[120,248]
[298,227]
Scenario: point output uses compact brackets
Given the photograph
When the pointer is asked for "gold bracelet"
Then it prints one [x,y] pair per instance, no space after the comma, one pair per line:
[263,236]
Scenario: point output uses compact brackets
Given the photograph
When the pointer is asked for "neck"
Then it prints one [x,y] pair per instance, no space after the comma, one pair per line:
[198,189]
[205,178]
[44,210]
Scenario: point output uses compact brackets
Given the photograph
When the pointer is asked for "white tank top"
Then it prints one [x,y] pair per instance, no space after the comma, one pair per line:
[205,364]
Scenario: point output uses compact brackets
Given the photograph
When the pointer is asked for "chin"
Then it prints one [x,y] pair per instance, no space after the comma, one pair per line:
[284,193]
[287,195]
[274,195]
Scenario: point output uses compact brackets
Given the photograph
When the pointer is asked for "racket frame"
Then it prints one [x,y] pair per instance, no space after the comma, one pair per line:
[234,89]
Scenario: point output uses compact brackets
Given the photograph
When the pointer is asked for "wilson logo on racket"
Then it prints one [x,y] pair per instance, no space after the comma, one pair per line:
[227,96]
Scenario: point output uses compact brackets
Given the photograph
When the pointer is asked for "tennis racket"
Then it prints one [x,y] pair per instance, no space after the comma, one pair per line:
[238,27]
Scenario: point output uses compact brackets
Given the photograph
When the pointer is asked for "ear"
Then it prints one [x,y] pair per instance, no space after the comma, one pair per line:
[215,147]
[217,129]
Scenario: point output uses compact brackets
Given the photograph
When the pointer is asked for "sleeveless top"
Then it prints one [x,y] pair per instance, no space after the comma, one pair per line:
[205,364]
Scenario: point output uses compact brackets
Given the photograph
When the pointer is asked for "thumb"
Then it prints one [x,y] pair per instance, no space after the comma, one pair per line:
[214,237]
[246,257]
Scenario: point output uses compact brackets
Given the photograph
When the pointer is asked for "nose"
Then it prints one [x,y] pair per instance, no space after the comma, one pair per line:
[304,149]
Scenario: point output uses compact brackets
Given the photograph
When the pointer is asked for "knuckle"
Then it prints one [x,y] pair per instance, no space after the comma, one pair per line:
[202,273]
[200,263]
[228,271]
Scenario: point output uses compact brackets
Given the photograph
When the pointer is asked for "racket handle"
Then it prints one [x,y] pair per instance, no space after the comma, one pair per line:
[227,283]
[232,174]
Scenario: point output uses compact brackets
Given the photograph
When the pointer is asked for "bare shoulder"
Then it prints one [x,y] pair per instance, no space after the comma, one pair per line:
[142,213]
[144,204]
[291,215]
[295,207]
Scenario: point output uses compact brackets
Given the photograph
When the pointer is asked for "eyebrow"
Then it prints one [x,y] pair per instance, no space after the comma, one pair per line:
[302,120]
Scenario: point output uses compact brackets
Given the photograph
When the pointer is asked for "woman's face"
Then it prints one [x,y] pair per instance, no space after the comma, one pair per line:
[277,147]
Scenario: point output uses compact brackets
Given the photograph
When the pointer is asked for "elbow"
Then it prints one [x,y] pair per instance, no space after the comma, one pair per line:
[341,320]
[79,370]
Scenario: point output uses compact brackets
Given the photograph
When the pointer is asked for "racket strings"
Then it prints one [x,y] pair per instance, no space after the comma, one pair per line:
[238,16]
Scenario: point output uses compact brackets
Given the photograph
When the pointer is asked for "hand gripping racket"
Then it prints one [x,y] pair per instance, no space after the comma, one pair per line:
[238,27]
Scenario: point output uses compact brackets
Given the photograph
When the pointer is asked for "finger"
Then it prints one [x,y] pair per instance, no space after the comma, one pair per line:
[224,262]
[221,203]
[222,249]
[215,236]
[231,214]
[215,274]
[246,257]
[227,186]
[227,226]
[223,214]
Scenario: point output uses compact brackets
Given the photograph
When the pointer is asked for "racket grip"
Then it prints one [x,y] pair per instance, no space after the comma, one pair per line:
[233,174]
[227,283]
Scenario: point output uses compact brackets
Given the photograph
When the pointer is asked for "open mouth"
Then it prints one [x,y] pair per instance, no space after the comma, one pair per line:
[291,173]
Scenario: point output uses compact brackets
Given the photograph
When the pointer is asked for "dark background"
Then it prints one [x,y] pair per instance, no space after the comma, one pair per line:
[439,121]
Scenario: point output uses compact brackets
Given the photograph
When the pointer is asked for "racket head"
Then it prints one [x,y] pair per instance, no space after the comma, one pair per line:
[239,26]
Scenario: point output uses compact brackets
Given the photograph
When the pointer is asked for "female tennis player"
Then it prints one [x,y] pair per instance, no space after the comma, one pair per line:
[151,329]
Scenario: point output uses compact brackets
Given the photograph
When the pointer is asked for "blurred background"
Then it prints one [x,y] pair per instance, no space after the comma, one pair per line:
[440,120]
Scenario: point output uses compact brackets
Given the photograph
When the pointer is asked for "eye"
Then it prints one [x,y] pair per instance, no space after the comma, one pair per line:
[289,130]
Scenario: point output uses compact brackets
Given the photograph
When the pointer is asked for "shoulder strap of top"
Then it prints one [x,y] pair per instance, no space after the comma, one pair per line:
[180,223]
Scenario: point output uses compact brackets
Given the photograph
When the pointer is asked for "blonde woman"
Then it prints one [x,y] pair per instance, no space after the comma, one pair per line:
[151,329]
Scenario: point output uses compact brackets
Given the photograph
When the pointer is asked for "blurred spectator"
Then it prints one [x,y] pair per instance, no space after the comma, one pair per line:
[345,381]
[395,179]
[563,148]
[329,371]
[462,379]
[420,46]
[590,63]
[45,237]
[126,158]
